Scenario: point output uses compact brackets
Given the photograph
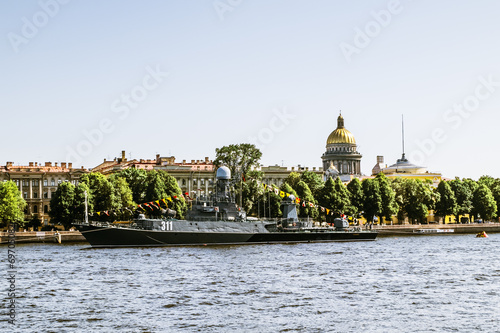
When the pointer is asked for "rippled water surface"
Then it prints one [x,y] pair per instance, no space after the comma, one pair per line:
[406,284]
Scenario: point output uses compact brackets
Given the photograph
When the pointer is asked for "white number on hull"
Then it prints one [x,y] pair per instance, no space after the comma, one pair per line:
[166,225]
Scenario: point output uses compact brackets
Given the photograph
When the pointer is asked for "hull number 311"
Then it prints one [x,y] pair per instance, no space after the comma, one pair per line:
[166,226]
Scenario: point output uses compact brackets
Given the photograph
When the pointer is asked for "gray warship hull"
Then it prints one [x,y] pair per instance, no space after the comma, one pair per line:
[212,233]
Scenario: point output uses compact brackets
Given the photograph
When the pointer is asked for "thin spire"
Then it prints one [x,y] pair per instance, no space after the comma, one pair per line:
[403,135]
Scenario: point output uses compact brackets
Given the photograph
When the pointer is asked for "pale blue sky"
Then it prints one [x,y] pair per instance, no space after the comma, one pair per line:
[224,75]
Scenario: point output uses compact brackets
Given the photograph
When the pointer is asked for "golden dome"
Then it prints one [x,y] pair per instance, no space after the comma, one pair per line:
[340,135]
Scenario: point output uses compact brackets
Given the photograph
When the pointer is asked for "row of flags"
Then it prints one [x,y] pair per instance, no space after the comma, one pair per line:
[152,205]
[298,201]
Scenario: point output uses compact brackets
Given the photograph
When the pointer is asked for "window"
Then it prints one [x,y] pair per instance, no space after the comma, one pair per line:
[194,181]
[45,182]
[35,209]
[203,182]
[52,182]
[183,182]
[25,195]
[46,195]
[45,209]
[35,194]
[34,182]
[16,181]
[59,181]
[25,183]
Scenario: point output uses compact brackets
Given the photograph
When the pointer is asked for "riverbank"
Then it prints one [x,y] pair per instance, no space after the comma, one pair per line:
[436,229]
[43,237]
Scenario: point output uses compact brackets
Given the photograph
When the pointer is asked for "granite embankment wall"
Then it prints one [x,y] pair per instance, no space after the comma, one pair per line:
[43,237]
[436,229]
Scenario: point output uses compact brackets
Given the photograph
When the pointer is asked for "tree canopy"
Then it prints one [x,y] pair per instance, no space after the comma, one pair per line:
[12,205]
[62,204]
[238,158]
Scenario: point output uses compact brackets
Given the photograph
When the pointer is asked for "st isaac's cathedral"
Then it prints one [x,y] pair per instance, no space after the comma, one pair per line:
[341,157]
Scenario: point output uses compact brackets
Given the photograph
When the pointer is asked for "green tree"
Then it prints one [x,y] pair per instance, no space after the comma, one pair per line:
[304,193]
[271,204]
[495,190]
[136,180]
[472,187]
[239,158]
[486,180]
[123,201]
[293,179]
[463,194]
[388,196]
[356,196]
[372,203]
[161,185]
[418,199]
[326,196]
[484,203]
[313,181]
[62,204]
[341,201]
[12,205]
[447,203]
[253,192]
[101,191]
[79,201]
[285,187]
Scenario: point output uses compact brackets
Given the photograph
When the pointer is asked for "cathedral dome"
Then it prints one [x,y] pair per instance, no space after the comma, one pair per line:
[340,135]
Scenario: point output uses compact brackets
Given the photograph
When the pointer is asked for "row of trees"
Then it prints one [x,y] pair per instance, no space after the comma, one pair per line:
[118,195]
[379,196]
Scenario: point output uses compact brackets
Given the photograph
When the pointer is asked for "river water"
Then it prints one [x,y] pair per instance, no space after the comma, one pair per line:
[395,284]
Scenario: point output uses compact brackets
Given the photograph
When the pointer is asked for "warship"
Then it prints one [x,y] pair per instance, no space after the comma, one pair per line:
[217,220]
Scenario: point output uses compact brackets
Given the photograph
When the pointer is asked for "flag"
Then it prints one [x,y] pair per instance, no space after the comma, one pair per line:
[165,202]
[311,204]
[303,203]
[106,212]
[297,200]
[327,211]
[322,209]
[169,199]
[99,213]
[265,186]
[276,191]
[282,194]
[158,202]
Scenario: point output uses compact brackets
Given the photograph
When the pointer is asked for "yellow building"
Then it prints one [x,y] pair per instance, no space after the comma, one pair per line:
[404,169]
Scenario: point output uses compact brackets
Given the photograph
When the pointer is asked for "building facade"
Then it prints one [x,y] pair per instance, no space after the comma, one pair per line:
[196,176]
[38,182]
[341,157]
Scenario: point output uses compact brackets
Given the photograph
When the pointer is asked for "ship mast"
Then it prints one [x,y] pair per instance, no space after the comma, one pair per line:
[86,212]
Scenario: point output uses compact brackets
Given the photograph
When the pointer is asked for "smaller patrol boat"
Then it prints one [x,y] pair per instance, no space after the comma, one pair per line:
[217,220]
